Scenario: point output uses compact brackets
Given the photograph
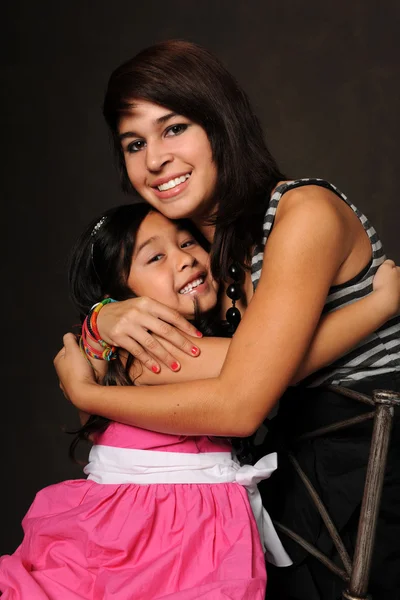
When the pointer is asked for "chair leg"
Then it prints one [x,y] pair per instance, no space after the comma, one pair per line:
[385,402]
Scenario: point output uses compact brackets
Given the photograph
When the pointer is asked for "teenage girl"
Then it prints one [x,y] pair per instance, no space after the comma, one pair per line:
[189,143]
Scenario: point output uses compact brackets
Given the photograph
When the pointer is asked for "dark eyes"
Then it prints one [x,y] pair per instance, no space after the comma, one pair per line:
[171,131]
[185,244]
[176,129]
[135,146]
[155,258]
[188,243]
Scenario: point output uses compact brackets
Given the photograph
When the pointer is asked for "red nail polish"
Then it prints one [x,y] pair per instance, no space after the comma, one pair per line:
[155,369]
[194,350]
[199,334]
[174,366]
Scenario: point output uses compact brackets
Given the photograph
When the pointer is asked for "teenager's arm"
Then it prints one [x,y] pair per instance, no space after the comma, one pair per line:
[337,333]
[304,253]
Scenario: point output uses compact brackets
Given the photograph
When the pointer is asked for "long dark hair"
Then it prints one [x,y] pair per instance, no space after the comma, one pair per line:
[189,80]
[99,266]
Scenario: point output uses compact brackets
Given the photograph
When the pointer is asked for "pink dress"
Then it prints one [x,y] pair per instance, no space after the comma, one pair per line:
[85,539]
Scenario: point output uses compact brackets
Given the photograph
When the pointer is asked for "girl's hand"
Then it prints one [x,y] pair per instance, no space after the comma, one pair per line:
[130,325]
[73,369]
[387,283]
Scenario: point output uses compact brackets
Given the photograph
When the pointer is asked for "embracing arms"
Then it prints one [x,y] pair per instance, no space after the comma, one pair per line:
[305,251]
[337,333]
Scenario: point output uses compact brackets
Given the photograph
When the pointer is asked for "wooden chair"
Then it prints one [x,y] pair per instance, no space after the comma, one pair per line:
[355,573]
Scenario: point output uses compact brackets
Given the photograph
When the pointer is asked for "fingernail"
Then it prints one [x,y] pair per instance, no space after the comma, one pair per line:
[194,350]
[155,369]
[199,334]
[174,366]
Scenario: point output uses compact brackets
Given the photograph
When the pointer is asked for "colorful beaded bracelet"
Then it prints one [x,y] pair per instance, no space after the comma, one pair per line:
[108,353]
[90,330]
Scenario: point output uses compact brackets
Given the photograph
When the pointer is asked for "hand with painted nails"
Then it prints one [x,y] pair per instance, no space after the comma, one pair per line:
[132,323]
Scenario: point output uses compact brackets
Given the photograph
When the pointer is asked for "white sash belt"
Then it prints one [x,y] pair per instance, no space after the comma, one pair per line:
[108,464]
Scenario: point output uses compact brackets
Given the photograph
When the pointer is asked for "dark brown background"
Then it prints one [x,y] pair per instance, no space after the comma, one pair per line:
[324,79]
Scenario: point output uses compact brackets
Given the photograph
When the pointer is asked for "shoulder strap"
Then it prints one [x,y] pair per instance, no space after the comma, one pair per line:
[290,185]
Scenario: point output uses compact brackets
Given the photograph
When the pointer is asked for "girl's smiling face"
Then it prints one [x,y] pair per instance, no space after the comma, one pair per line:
[169,265]
[168,160]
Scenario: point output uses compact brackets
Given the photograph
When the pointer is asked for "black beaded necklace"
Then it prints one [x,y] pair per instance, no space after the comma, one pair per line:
[233,292]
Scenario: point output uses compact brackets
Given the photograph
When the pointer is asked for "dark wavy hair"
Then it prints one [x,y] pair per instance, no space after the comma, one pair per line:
[187,79]
[99,266]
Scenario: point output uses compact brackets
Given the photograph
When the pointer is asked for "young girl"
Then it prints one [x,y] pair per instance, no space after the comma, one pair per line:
[159,515]
[189,143]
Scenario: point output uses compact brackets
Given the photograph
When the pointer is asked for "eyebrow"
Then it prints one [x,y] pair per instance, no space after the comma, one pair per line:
[160,121]
[146,243]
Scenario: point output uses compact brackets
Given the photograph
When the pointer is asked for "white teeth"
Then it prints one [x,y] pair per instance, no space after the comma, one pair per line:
[173,182]
[190,286]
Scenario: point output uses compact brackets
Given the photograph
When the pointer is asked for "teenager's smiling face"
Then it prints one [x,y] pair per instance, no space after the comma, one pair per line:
[168,160]
[169,265]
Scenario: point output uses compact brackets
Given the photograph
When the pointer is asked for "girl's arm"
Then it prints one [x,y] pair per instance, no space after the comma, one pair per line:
[309,243]
[139,324]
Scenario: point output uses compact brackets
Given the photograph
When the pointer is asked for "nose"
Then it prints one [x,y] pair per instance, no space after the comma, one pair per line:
[184,259]
[157,155]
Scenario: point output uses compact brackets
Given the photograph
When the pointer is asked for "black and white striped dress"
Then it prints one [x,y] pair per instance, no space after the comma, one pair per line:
[380,352]
[336,462]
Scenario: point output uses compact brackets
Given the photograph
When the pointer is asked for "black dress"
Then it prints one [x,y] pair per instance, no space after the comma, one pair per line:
[336,466]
